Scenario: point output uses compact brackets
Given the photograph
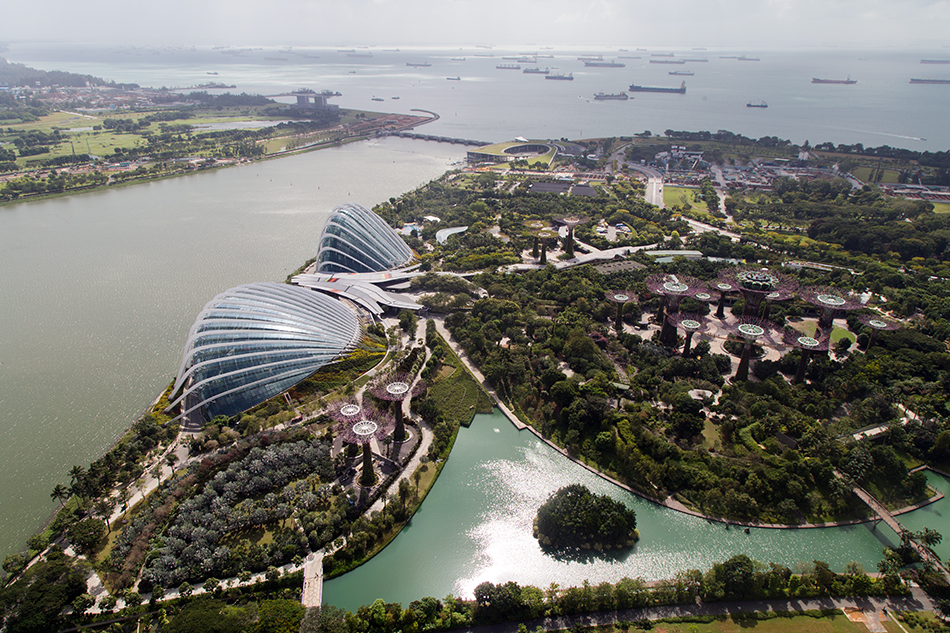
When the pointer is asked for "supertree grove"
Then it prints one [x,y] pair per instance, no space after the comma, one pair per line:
[807,344]
[830,301]
[674,289]
[359,425]
[396,388]
[570,221]
[690,324]
[878,324]
[755,284]
[753,330]
[621,299]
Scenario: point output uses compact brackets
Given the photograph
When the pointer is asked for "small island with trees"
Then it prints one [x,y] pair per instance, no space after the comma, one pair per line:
[575,517]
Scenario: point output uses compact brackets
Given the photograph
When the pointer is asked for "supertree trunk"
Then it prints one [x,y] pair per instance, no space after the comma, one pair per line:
[742,372]
[689,338]
[826,320]
[399,435]
[802,366]
[618,320]
[752,302]
[368,477]
[721,308]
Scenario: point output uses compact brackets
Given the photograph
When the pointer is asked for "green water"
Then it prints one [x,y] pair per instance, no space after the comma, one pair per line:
[475,526]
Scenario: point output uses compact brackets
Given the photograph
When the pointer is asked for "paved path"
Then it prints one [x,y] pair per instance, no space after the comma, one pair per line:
[917,601]
[312,595]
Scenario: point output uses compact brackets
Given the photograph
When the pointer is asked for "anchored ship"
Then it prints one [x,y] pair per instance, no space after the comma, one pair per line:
[508,67]
[757,104]
[816,80]
[667,61]
[620,96]
[605,64]
[567,77]
[422,65]
[535,71]
[930,81]
[636,88]
[683,73]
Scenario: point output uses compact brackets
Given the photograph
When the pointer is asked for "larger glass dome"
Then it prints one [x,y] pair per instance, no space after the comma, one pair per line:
[254,341]
[356,240]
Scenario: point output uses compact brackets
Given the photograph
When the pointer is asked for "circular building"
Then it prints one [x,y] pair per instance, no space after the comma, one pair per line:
[254,341]
[356,240]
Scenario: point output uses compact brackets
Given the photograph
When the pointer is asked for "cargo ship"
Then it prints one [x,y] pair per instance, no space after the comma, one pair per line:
[508,67]
[667,61]
[567,77]
[930,81]
[605,64]
[422,65]
[535,71]
[757,104]
[454,78]
[697,59]
[816,80]
[636,88]
[591,58]
[681,73]
[620,96]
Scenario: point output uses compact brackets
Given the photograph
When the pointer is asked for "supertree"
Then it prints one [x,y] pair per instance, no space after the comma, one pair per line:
[807,344]
[878,324]
[690,324]
[621,298]
[570,221]
[723,287]
[674,288]
[755,284]
[752,330]
[831,301]
[359,425]
[396,388]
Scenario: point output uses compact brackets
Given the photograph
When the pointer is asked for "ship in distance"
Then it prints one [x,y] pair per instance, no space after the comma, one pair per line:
[454,78]
[757,104]
[535,71]
[605,64]
[567,77]
[636,88]
[930,81]
[667,61]
[620,96]
[681,73]
[816,80]
[508,67]
[422,65]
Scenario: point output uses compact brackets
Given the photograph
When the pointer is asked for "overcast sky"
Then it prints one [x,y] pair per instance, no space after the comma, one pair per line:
[597,23]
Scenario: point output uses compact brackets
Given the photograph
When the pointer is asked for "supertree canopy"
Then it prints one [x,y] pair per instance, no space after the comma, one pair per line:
[722,287]
[570,221]
[674,288]
[620,298]
[753,330]
[807,344]
[360,424]
[690,324]
[756,284]
[830,301]
[878,324]
[396,388]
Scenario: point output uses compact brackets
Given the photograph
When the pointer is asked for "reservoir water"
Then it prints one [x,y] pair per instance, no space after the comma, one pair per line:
[475,526]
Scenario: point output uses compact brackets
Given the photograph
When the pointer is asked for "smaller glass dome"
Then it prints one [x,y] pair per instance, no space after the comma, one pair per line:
[356,240]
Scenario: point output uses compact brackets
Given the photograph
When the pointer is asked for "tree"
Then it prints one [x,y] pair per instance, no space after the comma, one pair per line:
[324,619]
[86,535]
[185,589]
[104,508]
[61,493]
[14,564]
[279,616]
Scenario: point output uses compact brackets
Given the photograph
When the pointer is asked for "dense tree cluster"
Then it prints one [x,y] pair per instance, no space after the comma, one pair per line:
[575,517]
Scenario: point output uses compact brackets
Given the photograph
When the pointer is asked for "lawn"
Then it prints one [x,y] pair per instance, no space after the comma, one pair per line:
[682,196]
[941,207]
[808,328]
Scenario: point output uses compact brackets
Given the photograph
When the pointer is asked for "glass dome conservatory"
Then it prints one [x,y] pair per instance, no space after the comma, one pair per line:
[356,240]
[254,341]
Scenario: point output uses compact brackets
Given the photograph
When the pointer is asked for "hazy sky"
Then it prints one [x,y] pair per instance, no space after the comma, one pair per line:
[731,23]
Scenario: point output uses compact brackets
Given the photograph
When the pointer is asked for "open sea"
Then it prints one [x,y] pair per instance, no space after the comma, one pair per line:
[491,104]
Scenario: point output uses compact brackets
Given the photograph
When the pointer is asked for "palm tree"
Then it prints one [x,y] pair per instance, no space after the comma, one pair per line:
[60,492]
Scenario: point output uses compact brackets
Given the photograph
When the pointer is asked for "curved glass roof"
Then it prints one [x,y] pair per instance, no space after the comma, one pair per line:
[254,341]
[356,240]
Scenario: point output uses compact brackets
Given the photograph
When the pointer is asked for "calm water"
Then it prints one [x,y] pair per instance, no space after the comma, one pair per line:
[489,104]
[99,291]
[475,526]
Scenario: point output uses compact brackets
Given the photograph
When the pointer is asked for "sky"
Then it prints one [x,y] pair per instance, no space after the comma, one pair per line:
[902,24]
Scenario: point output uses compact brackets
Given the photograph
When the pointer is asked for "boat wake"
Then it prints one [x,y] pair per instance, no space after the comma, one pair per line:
[910,138]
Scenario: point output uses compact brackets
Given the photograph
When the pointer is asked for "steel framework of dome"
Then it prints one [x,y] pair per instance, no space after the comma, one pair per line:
[807,344]
[356,240]
[256,340]
[830,301]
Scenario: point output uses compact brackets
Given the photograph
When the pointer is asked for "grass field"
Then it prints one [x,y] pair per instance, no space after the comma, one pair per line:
[941,207]
[682,196]
[808,328]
